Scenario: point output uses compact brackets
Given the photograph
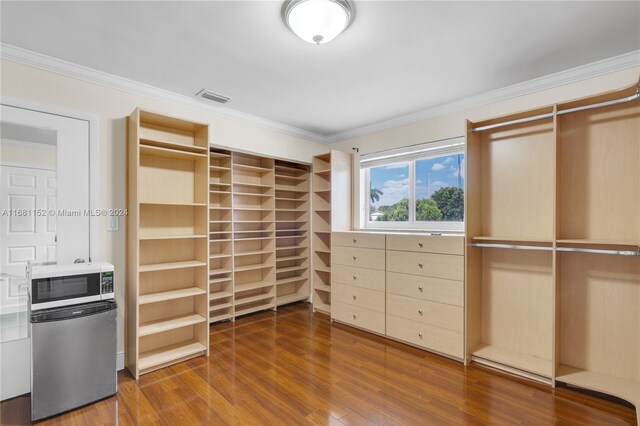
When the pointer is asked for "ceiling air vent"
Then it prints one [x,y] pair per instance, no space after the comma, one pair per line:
[216,97]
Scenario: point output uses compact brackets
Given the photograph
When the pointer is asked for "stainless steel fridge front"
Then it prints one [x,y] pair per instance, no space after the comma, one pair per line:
[73,357]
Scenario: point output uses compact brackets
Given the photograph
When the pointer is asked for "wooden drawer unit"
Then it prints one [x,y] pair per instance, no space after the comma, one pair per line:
[358,317]
[358,257]
[426,288]
[445,266]
[426,244]
[424,311]
[426,336]
[358,296]
[358,239]
[359,277]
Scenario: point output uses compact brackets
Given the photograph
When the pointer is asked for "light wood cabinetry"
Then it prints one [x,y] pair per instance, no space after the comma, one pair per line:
[167,248]
[331,191]
[553,268]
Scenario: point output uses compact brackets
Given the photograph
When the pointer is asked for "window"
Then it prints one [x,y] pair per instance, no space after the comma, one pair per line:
[416,187]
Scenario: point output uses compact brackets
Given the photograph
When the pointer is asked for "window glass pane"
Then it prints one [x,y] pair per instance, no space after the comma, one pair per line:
[389,193]
[440,188]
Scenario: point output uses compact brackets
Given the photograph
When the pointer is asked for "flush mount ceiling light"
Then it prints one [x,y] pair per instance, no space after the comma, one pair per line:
[317,21]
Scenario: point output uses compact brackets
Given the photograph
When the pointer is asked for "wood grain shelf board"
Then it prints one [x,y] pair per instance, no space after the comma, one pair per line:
[220,192]
[219,271]
[253,267]
[291,269]
[250,194]
[220,280]
[252,286]
[253,309]
[291,248]
[219,295]
[221,317]
[219,169]
[220,221]
[252,185]
[171,153]
[219,184]
[171,265]
[291,279]
[167,354]
[251,209]
[170,295]
[323,172]
[515,240]
[291,178]
[619,387]
[300,200]
[288,258]
[219,256]
[290,236]
[520,361]
[255,231]
[227,305]
[322,269]
[220,240]
[252,253]
[255,169]
[170,237]
[322,251]
[218,155]
[322,287]
[288,189]
[252,239]
[256,298]
[292,169]
[219,208]
[291,210]
[172,145]
[159,326]
[290,298]
[156,203]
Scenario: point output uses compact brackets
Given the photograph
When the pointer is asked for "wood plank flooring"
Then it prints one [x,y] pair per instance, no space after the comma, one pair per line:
[295,367]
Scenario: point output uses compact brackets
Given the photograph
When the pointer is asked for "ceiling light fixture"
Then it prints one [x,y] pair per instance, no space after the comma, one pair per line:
[317,21]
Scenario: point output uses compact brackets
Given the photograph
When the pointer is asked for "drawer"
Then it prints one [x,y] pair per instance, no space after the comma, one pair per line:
[360,277]
[358,257]
[426,243]
[358,296]
[358,239]
[426,264]
[432,313]
[426,336]
[426,288]
[359,317]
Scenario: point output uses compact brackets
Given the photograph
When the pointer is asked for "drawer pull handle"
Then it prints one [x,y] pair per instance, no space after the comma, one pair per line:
[355,277]
[420,335]
[420,288]
[420,264]
[354,297]
[354,258]
[355,241]
[420,311]
[354,316]
[420,245]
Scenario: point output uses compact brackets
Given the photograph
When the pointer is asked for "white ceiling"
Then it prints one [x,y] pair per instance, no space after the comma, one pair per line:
[397,57]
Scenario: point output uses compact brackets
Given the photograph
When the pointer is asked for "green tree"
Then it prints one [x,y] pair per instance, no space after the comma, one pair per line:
[427,209]
[450,201]
[398,212]
[374,194]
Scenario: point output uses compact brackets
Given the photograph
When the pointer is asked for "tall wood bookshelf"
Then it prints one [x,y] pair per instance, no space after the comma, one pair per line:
[553,264]
[220,235]
[167,250]
[253,233]
[331,188]
[292,232]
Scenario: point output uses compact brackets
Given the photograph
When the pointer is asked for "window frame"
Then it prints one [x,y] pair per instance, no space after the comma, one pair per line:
[411,224]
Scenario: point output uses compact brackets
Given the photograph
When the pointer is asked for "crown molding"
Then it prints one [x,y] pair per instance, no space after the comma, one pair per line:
[80,72]
[583,72]
[69,69]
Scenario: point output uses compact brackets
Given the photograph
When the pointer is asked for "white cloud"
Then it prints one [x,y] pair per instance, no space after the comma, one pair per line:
[448,161]
[437,167]
[401,175]
[393,191]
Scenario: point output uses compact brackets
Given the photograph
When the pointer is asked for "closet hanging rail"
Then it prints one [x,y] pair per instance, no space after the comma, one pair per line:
[631,98]
[599,251]
[511,247]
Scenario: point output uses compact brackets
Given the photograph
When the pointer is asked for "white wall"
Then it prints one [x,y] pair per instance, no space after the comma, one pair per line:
[453,125]
[112,107]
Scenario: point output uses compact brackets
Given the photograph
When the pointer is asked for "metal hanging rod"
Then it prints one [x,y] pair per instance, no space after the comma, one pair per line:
[511,247]
[599,251]
[631,98]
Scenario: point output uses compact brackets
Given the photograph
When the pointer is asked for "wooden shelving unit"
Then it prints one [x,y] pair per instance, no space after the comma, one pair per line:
[167,252]
[331,189]
[553,264]
[292,183]
[254,233]
[220,235]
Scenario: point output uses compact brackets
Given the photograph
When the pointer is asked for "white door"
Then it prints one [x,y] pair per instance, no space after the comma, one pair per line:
[71,142]
[26,236]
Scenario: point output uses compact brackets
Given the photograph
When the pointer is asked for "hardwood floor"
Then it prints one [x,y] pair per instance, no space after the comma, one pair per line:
[295,367]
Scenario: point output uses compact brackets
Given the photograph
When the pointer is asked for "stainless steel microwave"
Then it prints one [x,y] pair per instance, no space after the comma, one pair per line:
[54,286]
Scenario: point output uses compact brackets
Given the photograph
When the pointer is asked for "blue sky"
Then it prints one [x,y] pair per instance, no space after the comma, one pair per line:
[431,175]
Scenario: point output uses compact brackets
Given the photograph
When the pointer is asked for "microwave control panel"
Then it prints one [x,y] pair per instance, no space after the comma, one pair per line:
[106,282]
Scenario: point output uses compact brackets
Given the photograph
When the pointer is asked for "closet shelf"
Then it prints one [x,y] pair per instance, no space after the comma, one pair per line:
[251,299]
[171,237]
[220,280]
[513,240]
[622,388]
[322,287]
[290,178]
[255,169]
[319,268]
[322,251]
[227,305]
[219,272]
[252,239]
[253,267]
[253,309]
[159,326]
[253,185]
[171,153]
[290,298]
[291,279]
[219,169]
[219,256]
[291,199]
[219,295]
[323,172]
[221,317]
[219,184]
[252,286]
[252,194]
[290,236]
[221,240]
[172,145]
[291,269]
[218,155]
[252,253]
[290,169]
[170,295]
[288,258]
[160,203]
[171,265]
[169,354]
[220,192]
[291,248]
[251,209]
[219,208]
[521,361]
